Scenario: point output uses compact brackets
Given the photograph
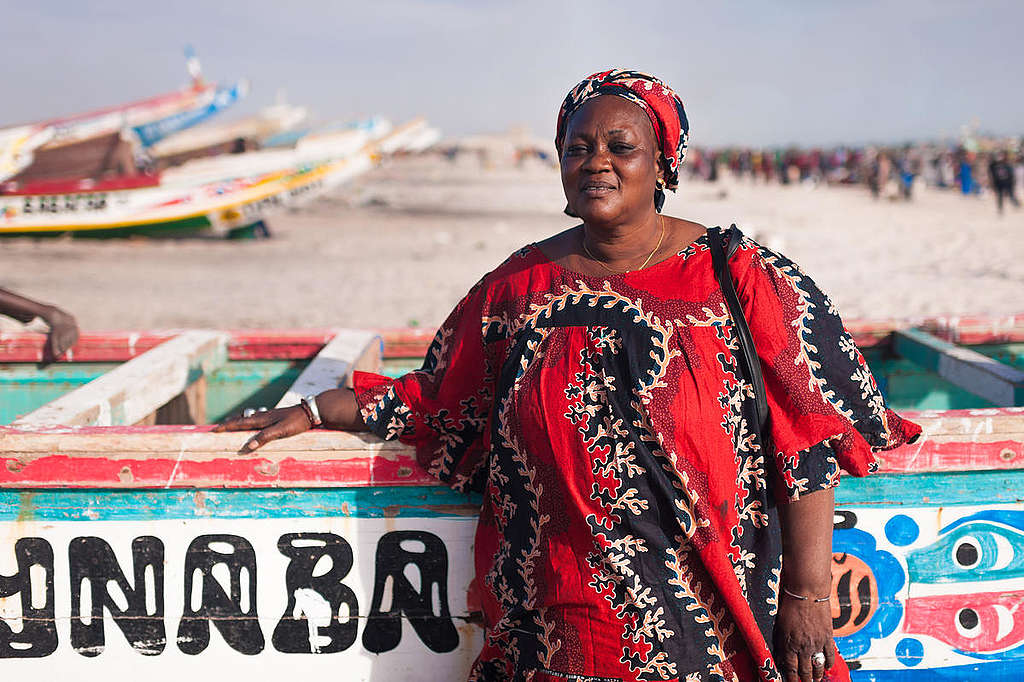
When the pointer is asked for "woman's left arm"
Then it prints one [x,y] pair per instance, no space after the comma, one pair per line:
[803,627]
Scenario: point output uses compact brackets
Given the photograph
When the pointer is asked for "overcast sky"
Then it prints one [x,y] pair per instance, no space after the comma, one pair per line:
[772,72]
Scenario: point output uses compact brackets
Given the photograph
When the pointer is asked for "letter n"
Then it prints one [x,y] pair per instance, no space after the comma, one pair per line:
[138,610]
[233,613]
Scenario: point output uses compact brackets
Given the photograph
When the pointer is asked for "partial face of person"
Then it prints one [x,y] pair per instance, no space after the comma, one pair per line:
[609,162]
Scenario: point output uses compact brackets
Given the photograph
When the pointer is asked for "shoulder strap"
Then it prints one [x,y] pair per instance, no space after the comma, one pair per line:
[749,362]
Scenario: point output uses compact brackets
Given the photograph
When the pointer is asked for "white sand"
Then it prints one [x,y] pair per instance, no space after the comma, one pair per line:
[400,245]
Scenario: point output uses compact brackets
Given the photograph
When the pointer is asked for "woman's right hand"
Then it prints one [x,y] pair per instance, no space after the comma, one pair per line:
[271,424]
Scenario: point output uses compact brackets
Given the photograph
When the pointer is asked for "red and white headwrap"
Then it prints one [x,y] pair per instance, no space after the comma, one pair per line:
[659,101]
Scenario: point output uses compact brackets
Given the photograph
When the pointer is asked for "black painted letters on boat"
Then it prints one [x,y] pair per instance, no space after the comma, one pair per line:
[316,596]
[92,561]
[234,615]
[38,634]
[383,629]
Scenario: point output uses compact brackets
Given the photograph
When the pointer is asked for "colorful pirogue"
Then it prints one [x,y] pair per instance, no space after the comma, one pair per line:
[156,167]
[138,543]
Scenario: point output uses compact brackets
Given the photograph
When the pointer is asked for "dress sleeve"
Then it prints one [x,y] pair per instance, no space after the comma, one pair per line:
[825,409]
[442,408]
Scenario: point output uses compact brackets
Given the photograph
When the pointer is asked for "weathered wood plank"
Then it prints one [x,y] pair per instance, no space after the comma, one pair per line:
[974,330]
[139,387]
[292,344]
[125,457]
[350,349]
[966,368]
[273,344]
[188,456]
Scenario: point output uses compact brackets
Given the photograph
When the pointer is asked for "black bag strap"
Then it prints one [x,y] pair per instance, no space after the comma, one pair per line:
[750,364]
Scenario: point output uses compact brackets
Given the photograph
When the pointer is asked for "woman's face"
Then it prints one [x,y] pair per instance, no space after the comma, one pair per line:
[609,162]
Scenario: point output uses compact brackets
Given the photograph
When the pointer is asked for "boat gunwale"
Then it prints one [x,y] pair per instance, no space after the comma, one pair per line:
[980,439]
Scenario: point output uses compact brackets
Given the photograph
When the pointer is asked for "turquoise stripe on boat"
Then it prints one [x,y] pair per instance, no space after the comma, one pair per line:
[936,489]
[882,490]
[152,505]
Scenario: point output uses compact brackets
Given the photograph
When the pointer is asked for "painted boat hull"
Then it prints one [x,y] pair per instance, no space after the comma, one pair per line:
[158,550]
[223,195]
[20,146]
[220,206]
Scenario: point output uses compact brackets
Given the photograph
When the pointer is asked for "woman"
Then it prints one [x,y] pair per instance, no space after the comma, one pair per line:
[633,526]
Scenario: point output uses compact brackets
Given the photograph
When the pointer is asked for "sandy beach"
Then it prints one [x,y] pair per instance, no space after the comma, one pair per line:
[400,245]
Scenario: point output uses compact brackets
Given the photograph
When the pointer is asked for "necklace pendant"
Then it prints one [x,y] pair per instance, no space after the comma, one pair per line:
[628,271]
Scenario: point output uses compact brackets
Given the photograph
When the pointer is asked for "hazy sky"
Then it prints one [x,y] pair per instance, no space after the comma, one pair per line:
[813,72]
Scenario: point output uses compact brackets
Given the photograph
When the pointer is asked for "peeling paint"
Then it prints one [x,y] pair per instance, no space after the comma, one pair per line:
[199,500]
[267,468]
[26,506]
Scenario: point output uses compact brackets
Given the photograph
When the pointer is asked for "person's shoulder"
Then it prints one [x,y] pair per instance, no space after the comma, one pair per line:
[755,243]
[526,256]
[764,251]
[559,245]
[684,234]
[518,262]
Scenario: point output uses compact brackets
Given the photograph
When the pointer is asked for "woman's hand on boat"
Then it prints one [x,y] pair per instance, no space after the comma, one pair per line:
[338,410]
[271,424]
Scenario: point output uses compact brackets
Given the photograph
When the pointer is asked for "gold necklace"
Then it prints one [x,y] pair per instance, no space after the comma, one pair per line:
[597,260]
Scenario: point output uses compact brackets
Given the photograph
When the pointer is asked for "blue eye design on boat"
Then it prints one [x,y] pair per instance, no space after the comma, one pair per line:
[988,545]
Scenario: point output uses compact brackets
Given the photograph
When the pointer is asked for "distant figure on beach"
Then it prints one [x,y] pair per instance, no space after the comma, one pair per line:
[966,175]
[63,327]
[1000,173]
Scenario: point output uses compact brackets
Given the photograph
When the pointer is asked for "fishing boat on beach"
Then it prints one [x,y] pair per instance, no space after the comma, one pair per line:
[138,542]
[222,195]
[106,142]
[159,168]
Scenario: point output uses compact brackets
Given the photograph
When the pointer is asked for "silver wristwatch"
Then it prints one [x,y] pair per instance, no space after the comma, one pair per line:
[310,402]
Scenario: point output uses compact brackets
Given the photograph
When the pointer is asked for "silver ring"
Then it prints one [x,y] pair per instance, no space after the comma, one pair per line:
[262,409]
[248,412]
[818,660]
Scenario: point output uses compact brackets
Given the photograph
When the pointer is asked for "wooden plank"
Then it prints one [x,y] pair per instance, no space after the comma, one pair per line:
[968,330]
[939,489]
[244,344]
[961,440]
[121,346]
[188,456]
[966,368]
[349,350]
[407,343]
[286,344]
[871,333]
[278,344]
[139,387]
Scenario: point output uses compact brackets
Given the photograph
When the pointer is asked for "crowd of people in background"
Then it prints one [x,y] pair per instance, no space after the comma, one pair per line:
[992,168]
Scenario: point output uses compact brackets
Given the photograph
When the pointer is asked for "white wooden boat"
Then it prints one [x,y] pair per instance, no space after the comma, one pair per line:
[157,550]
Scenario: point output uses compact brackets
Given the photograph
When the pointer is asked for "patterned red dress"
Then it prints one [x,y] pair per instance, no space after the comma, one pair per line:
[629,528]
